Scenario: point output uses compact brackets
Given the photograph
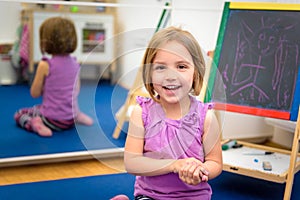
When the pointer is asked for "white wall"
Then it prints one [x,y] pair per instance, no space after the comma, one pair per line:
[136,26]
[9,21]
[201,21]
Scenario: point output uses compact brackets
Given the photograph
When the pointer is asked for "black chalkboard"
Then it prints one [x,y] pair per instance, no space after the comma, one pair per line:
[259,58]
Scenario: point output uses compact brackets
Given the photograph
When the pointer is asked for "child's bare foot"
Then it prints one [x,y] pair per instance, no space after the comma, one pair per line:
[120,197]
[84,119]
[39,127]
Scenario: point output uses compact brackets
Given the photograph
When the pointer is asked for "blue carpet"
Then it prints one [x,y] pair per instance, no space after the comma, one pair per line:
[95,99]
[101,187]
[227,186]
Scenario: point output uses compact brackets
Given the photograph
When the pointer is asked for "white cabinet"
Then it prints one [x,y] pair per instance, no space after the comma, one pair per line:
[94,31]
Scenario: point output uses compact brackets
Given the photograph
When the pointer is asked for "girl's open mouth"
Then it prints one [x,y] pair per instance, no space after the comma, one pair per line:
[171,87]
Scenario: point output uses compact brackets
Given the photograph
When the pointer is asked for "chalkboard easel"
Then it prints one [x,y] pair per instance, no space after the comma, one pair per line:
[257,61]
[258,58]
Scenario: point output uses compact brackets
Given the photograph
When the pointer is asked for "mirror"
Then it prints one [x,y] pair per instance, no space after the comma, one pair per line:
[132,27]
[102,34]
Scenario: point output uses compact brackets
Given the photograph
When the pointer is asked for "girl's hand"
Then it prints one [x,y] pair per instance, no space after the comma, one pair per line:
[191,171]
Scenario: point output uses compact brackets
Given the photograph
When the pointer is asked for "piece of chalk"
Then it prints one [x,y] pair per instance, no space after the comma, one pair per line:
[236,146]
[228,145]
[74,9]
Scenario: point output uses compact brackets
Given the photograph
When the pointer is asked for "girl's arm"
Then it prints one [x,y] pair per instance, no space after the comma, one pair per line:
[78,84]
[135,162]
[212,145]
[42,71]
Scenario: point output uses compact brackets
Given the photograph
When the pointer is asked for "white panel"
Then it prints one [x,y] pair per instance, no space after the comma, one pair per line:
[239,126]
[10,20]
[81,21]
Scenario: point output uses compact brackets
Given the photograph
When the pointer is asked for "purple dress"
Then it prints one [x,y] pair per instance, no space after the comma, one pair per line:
[59,92]
[59,106]
[172,139]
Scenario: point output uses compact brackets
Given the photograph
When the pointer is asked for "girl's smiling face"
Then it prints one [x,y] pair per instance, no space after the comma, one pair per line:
[173,72]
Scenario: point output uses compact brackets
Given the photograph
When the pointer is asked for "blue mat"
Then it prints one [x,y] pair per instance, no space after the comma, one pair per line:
[227,186]
[99,100]
[230,186]
[101,187]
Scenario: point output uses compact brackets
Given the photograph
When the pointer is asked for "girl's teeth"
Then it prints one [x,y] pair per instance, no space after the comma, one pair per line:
[171,87]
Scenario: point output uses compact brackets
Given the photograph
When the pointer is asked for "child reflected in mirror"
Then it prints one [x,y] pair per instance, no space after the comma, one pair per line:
[56,80]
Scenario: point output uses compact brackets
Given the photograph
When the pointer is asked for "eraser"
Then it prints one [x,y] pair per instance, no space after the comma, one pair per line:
[267,166]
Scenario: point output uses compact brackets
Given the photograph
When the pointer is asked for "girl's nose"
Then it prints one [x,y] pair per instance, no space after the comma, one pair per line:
[170,74]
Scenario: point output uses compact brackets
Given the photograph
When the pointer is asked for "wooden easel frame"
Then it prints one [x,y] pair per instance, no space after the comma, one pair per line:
[135,90]
[294,165]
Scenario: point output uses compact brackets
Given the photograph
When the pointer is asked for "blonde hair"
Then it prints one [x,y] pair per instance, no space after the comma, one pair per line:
[188,41]
[58,36]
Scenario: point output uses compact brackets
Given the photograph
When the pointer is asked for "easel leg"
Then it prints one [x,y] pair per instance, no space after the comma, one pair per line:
[138,83]
[120,123]
[293,159]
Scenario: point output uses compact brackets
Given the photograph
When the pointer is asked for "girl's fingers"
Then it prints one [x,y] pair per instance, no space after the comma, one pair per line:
[204,171]
[197,175]
[185,169]
[201,174]
[192,173]
[204,178]
[191,170]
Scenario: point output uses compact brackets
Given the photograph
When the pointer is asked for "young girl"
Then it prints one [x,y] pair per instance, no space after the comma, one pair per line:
[56,80]
[173,143]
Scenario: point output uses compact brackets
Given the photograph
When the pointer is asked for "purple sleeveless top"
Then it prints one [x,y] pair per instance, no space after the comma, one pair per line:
[172,139]
[59,92]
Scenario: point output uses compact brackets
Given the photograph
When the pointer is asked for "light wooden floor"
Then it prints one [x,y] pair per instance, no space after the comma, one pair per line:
[55,171]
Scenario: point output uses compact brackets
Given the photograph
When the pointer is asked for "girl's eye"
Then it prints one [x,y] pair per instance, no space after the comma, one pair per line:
[159,67]
[182,67]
